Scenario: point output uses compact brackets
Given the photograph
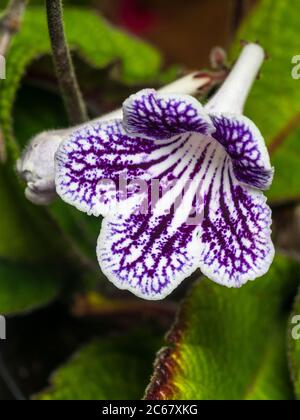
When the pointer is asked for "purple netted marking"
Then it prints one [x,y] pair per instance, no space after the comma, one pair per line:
[162,117]
[235,231]
[143,253]
[107,153]
[171,139]
[152,253]
[245,145]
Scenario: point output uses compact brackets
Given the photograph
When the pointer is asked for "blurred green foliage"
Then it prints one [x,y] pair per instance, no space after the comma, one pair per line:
[274,100]
[26,287]
[116,368]
[230,344]
[95,41]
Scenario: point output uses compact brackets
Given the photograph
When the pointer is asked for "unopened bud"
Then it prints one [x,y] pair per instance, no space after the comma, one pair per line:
[36,167]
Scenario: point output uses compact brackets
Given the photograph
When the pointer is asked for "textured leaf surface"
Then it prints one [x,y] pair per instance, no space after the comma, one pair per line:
[94,39]
[294,346]
[229,343]
[25,287]
[113,368]
[274,101]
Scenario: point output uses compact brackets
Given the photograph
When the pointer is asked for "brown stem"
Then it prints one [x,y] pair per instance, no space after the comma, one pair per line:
[283,134]
[66,76]
[2,148]
[95,305]
[240,9]
[10,22]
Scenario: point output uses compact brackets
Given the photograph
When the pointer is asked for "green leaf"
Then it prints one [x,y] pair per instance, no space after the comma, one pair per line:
[82,230]
[47,105]
[274,101]
[97,42]
[113,368]
[28,240]
[26,287]
[294,346]
[19,239]
[230,343]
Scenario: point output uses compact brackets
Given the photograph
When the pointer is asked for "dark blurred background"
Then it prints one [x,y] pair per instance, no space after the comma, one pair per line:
[185,31]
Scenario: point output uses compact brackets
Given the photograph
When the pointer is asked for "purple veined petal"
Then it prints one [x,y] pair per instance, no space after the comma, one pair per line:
[162,116]
[236,243]
[151,254]
[89,163]
[246,147]
[94,161]
[145,256]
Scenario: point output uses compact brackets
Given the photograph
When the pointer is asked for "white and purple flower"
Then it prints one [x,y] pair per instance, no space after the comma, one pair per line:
[207,160]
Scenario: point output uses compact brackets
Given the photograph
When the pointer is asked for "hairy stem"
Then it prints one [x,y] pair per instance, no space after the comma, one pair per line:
[63,64]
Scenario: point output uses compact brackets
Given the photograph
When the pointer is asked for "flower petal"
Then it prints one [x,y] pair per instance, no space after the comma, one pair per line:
[245,145]
[160,116]
[89,158]
[146,255]
[236,243]
[91,164]
[94,161]
[151,253]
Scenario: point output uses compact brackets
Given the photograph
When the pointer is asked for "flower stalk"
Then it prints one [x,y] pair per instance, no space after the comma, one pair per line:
[66,76]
